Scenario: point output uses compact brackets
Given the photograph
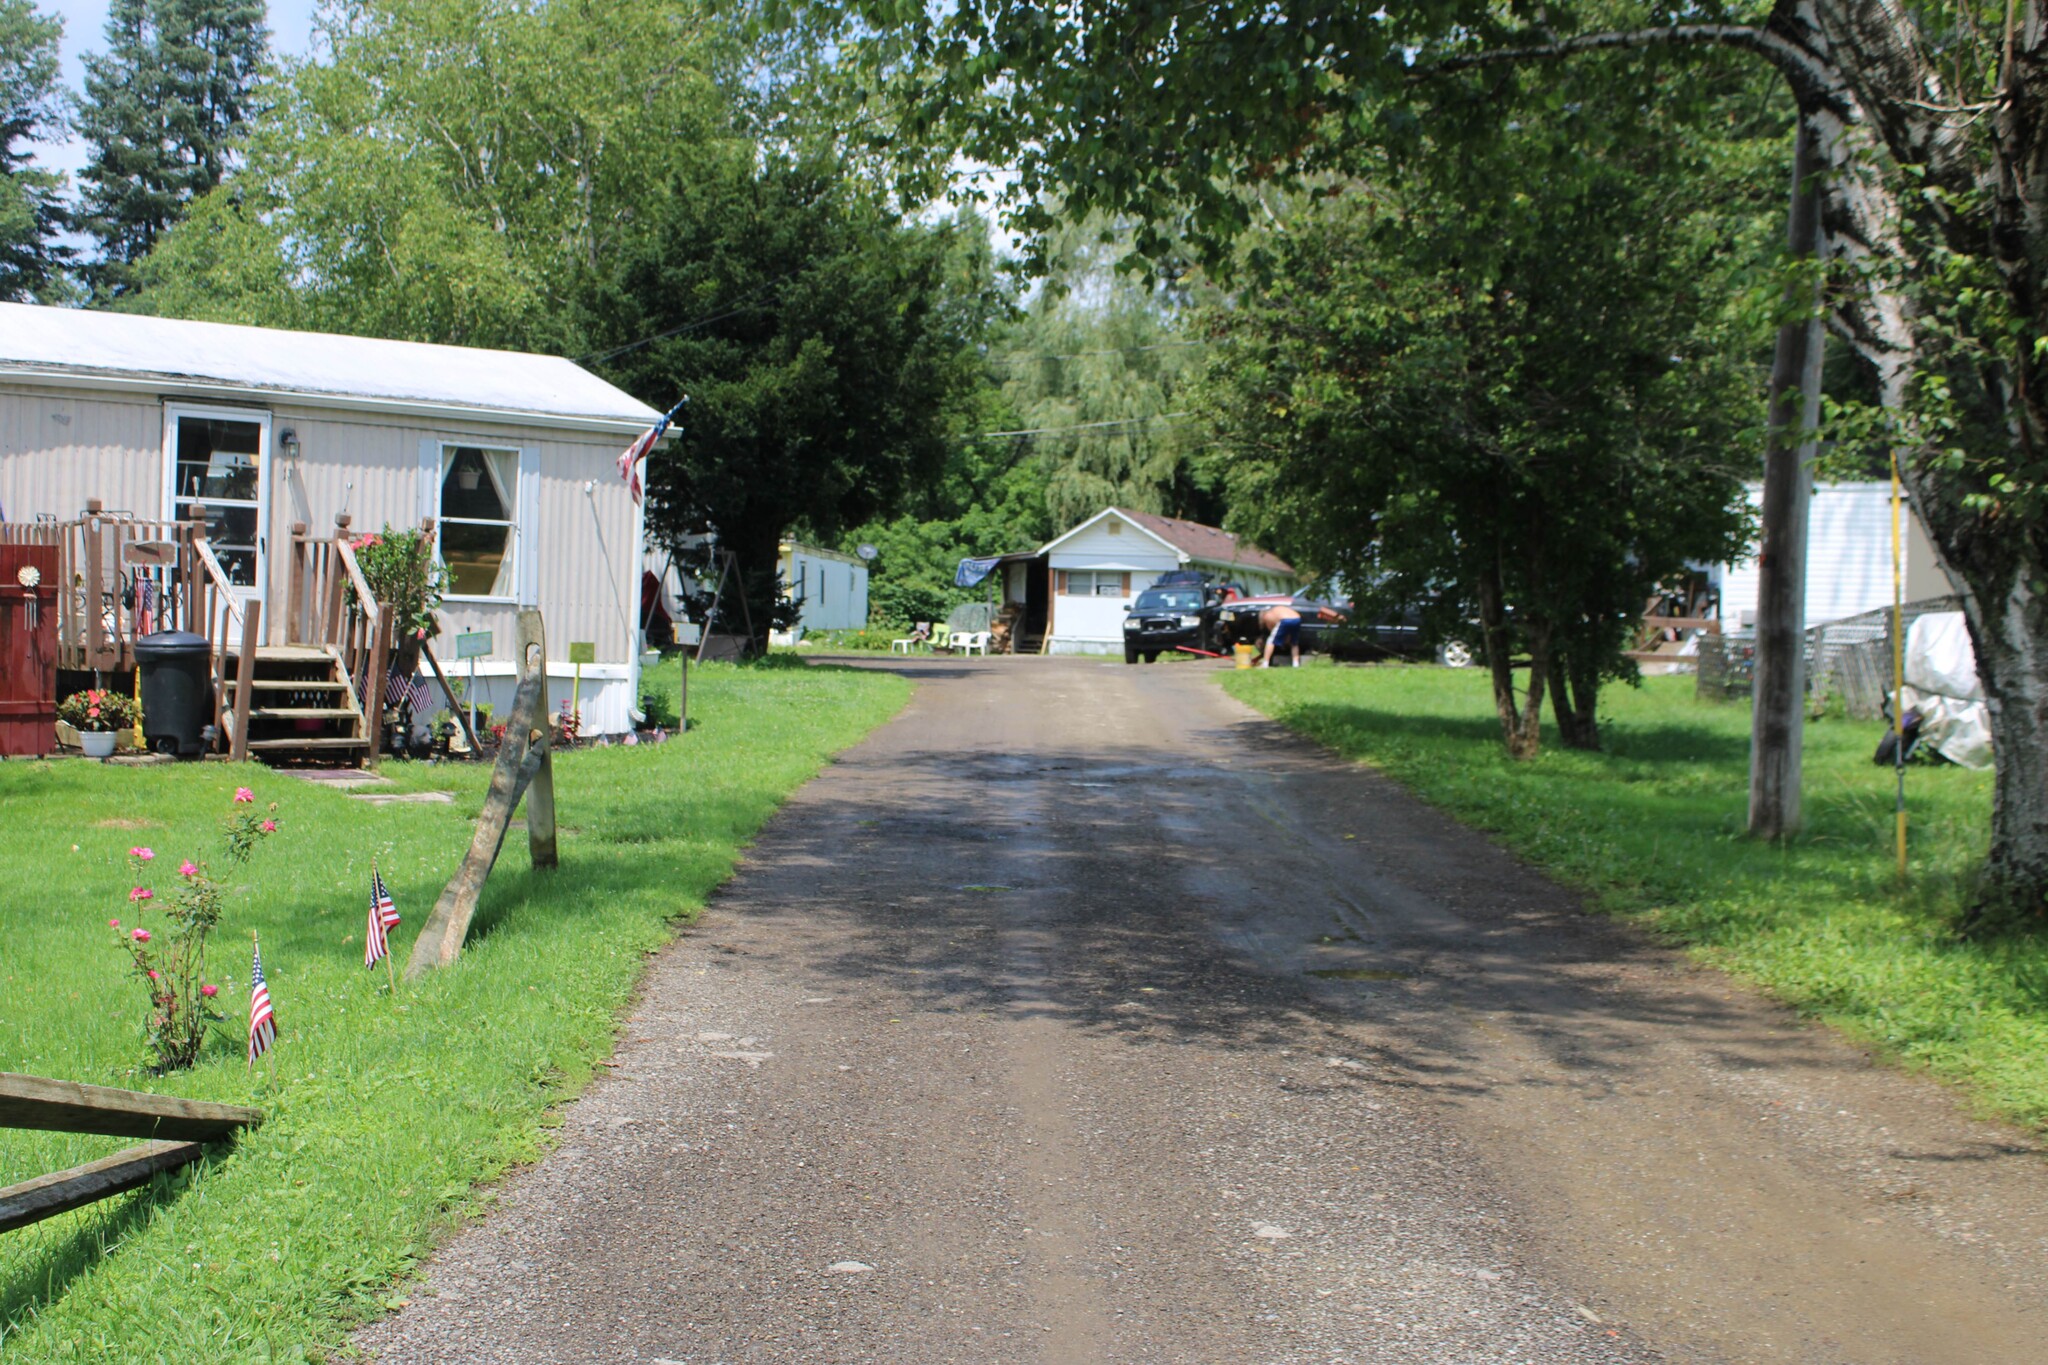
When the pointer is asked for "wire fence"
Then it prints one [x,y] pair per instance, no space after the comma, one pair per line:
[1850,659]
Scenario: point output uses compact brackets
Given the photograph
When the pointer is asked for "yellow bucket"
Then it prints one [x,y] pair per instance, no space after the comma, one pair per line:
[1245,654]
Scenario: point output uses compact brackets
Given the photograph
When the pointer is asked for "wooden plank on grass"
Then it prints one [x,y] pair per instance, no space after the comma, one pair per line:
[48,1195]
[68,1107]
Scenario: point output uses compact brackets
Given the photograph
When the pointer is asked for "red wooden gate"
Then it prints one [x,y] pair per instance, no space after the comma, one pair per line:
[28,649]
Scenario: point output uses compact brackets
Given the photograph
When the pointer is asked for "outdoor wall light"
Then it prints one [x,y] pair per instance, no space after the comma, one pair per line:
[288,441]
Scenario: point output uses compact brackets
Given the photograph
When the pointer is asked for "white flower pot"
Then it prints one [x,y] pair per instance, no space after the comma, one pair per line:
[98,743]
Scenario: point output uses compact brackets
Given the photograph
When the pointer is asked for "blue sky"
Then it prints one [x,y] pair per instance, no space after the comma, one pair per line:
[291,30]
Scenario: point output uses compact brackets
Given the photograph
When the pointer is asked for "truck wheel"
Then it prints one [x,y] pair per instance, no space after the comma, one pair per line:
[1130,655]
[1151,656]
[1454,654]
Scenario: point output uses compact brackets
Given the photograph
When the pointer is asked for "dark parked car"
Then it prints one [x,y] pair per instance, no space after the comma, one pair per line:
[1168,615]
[1328,627]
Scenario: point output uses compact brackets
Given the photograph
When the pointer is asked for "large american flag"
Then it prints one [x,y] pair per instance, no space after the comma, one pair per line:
[262,1019]
[629,463]
[383,918]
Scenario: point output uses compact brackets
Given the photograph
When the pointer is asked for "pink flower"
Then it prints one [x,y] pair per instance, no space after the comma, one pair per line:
[141,935]
[141,855]
[141,893]
[153,975]
[188,868]
[243,796]
[268,827]
[92,711]
[113,924]
[209,990]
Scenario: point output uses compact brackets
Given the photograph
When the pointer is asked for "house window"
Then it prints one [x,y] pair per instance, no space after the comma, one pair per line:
[478,516]
[1095,583]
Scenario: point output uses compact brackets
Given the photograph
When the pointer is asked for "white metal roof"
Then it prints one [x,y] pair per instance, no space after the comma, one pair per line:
[81,348]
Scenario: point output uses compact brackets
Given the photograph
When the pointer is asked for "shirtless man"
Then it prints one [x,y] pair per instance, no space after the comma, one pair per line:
[1283,625]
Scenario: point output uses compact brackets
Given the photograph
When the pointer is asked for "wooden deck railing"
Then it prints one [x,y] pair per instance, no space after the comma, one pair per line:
[328,602]
[119,573]
[233,627]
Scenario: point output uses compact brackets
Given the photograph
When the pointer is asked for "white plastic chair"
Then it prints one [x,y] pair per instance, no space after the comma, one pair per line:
[972,642]
[909,643]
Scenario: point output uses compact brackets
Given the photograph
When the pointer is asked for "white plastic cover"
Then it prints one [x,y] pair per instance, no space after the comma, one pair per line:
[1942,685]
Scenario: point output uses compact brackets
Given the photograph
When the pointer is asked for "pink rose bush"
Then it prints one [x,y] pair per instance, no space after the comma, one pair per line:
[172,960]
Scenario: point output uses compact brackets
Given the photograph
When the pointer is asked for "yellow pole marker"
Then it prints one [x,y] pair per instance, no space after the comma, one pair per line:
[1898,664]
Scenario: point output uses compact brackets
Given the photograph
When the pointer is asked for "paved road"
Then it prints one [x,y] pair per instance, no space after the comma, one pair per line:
[1080,1015]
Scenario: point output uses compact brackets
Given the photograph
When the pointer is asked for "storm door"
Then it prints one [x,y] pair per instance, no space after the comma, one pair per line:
[219,458]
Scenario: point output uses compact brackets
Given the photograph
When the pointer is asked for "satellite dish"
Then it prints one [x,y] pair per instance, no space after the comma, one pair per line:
[867,552]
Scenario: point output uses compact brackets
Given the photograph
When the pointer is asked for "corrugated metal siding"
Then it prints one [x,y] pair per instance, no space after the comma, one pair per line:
[587,588]
[1849,558]
[59,449]
[112,449]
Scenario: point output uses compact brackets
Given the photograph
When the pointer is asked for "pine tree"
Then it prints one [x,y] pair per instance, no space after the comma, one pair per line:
[161,111]
[31,108]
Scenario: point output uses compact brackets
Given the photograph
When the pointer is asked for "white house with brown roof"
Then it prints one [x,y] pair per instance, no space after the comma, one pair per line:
[1095,571]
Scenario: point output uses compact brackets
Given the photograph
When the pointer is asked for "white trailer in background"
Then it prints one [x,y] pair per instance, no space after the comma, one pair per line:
[1848,558]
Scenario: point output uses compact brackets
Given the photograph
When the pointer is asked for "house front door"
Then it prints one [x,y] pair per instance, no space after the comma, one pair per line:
[219,458]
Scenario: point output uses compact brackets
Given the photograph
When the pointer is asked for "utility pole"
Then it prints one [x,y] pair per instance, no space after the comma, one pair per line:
[1779,715]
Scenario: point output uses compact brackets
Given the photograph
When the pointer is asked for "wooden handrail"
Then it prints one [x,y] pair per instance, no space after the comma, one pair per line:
[222,584]
[371,607]
[231,630]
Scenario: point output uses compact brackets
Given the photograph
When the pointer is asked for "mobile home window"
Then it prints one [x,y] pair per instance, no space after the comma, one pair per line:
[478,516]
[1095,583]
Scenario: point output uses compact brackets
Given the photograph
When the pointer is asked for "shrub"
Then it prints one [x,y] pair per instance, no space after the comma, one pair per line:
[172,960]
[407,579]
[659,708]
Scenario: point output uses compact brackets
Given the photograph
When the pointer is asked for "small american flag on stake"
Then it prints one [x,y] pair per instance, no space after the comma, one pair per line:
[629,463]
[262,1018]
[383,918]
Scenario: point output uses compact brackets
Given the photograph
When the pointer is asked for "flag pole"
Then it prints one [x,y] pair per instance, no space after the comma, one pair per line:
[1898,670]
[255,946]
[390,970]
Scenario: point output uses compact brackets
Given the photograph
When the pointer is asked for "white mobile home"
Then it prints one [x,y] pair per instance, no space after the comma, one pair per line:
[832,587]
[1098,568]
[260,438]
[1848,558]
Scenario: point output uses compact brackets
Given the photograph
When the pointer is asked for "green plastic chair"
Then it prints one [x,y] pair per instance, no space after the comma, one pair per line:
[942,635]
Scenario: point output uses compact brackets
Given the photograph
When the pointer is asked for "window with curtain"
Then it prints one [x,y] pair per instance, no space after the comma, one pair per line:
[479,511]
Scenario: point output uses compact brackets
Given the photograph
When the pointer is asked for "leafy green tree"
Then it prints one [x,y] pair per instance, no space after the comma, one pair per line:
[458,171]
[32,109]
[1926,117]
[1097,367]
[824,343]
[1503,384]
[162,108]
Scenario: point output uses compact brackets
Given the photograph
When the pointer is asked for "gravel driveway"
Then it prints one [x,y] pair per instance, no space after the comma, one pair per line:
[1082,1015]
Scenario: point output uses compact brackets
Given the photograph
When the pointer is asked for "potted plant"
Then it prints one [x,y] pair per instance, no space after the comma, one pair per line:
[99,714]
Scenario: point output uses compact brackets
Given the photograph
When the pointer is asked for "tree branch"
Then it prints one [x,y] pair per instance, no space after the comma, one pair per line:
[1801,66]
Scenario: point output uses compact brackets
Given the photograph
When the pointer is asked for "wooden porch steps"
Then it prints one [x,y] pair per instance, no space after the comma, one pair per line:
[302,703]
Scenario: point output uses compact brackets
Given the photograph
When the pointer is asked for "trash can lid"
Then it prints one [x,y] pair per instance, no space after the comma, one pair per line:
[170,644]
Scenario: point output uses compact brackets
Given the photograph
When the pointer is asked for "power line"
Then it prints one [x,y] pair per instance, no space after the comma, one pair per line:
[1079,426]
[740,306]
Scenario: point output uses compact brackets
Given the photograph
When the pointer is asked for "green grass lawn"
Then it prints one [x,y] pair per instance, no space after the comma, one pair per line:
[386,1113]
[1653,828]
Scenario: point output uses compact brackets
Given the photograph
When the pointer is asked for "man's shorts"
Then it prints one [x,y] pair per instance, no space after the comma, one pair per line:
[1285,634]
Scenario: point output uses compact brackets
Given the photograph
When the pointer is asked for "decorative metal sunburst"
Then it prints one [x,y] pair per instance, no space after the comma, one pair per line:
[29,576]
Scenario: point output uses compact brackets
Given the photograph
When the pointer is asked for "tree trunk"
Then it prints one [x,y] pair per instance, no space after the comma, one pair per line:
[1521,725]
[1574,700]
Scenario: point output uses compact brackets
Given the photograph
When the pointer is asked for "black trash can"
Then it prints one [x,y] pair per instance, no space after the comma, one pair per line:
[177,693]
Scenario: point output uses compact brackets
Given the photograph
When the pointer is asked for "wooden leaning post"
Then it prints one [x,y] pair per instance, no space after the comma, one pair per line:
[178,1131]
[524,768]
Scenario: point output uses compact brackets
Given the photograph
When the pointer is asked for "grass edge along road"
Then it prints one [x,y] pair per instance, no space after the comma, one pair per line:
[1653,829]
[387,1114]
